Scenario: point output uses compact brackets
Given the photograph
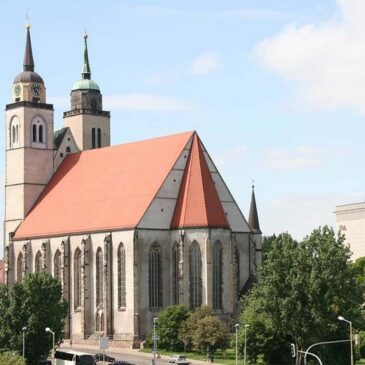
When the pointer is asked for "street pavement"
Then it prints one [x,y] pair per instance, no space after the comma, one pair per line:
[131,355]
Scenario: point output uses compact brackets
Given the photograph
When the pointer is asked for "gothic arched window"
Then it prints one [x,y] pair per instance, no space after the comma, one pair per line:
[195,276]
[40,134]
[38,262]
[175,273]
[57,265]
[93,138]
[99,321]
[99,137]
[237,264]
[217,275]
[34,133]
[99,276]
[77,279]
[121,277]
[38,131]
[155,276]
[19,267]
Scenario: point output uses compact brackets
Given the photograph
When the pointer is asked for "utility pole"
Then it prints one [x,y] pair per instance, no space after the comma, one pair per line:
[154,340]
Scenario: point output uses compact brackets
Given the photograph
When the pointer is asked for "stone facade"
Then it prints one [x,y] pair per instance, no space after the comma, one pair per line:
[117,280]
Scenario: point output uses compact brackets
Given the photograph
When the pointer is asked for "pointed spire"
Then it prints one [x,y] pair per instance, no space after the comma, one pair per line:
[86,72]
[253,218]
[28,63]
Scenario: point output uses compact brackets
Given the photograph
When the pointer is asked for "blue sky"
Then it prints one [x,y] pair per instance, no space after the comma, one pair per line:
[275,89]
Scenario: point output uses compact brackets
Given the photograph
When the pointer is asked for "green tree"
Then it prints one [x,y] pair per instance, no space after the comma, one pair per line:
[5,328]
[210,333]
[189,326]
[203,330]
[304,288]
[10,358]
[35,303]
[169,323]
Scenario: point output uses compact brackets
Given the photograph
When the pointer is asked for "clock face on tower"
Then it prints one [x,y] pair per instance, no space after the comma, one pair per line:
[17,90]
[36,89]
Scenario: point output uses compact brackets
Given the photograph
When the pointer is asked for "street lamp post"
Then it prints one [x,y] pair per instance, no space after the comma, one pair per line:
[350,323]
[53,341]
[154,340]
[24,329]
[245,349]
[237,328]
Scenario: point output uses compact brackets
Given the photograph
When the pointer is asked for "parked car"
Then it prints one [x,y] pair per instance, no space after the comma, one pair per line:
[102,357]
[121,363]
[45,362]
[177,359]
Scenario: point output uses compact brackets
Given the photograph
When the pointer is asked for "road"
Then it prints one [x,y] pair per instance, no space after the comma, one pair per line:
[133,356]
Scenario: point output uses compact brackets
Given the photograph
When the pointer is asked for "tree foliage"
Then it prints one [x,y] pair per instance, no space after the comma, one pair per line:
[203,330]
[10,358]
[169,322]
[304,288]
[35,303]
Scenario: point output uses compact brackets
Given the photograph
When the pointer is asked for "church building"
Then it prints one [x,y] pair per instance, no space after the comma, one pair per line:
[127,229]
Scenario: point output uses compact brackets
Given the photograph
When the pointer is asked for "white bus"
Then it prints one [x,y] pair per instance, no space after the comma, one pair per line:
[70,357]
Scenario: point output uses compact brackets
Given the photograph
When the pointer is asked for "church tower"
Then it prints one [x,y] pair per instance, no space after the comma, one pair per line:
[29,143]
[89,124]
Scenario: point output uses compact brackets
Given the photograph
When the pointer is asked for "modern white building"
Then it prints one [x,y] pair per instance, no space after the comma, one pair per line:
[350,219]
[127,229]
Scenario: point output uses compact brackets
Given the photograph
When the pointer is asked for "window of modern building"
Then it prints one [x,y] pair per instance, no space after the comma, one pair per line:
[217,275]
[77,279]
[155,276]
[121,277]
[195,276]
[175,273]
[99,277]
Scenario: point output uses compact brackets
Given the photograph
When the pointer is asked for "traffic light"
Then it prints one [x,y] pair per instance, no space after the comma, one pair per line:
[293,352]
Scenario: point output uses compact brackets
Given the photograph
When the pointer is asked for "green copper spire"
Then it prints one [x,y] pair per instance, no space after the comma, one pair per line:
[86,72]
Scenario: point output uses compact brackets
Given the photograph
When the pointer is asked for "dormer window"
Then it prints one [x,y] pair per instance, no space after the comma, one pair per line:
[38,132]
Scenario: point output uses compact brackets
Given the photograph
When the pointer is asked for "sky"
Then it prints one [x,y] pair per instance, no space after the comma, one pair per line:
[275,89]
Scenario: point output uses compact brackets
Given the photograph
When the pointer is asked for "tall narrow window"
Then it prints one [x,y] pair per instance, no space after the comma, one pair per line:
[14,134]
[237,262]
[155,276]
[57,265]
[93,141]
[37,262]
[77,278]
[175,273]
[99,276]
[217,275]
[19,267]
[99,137]
[121,277]
[40,134]
[195,276]
[34,133]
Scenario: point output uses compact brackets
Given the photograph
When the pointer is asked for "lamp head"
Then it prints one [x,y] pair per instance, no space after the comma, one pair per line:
[237,325]
[341,318]
[24,328]
[247,325]
[48,329]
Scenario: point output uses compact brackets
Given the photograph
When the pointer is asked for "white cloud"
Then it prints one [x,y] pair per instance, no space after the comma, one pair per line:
[301,157]
[147,102]
[325,61]
[205,64]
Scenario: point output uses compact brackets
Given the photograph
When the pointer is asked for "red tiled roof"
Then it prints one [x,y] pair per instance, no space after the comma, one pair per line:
[103,189]
[198,204]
